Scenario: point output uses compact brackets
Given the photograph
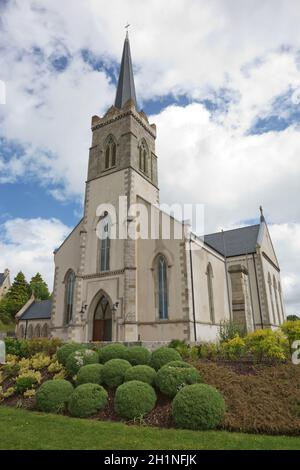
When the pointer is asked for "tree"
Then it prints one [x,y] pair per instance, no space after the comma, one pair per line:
[17,296]
[292,318]
[39,287]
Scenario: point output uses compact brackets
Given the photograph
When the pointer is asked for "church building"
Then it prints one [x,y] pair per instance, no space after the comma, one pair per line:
[155,288]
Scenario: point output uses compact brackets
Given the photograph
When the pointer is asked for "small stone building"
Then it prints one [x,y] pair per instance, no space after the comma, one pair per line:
[4,283]
[33,320]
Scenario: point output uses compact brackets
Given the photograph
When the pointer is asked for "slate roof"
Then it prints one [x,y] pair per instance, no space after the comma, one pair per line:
[239,241]
[38,311]
[126,88]
[2,277]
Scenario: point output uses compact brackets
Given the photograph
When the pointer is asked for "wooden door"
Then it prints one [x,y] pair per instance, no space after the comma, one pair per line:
[98,331]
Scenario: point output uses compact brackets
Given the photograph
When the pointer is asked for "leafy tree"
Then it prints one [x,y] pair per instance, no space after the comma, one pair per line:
[293,318]
[17,296]
[39,287]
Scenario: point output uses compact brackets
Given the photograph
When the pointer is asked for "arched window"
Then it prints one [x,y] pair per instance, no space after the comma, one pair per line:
[45,331]
[271,299]
[69,296]
[104,244]
[37,331]
[110,153]
[21,331]
[162,278]
[143,158]
[30,332]
[211,305]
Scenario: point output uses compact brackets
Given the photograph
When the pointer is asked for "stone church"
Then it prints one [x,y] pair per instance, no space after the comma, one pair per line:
[153,288]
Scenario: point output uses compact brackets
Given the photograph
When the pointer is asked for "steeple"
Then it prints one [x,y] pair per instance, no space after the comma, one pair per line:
[126,89]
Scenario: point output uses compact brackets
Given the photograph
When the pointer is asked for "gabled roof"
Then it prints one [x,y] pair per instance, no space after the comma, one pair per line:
[126,88]
[234,242]
[38,311]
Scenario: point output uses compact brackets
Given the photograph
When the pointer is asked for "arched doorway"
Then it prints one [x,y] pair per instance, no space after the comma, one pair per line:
[102,327]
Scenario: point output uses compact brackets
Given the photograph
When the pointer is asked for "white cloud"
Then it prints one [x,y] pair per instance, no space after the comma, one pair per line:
[28,245]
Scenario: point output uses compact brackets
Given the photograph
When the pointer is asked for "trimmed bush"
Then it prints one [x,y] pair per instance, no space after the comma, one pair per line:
[114,372]
[162,356]
[170,379]
[267,344]
[80,358]
[138,355]
[53,396]
[64,352]
[134,399]
[86,400]
[198,407]
[90,374]
[291,329]
[112,351]
[141,373]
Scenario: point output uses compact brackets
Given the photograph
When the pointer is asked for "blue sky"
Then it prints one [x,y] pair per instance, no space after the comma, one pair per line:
[221,80]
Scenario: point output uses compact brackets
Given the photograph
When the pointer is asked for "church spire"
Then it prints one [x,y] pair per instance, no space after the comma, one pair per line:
[262,217]
[126,89]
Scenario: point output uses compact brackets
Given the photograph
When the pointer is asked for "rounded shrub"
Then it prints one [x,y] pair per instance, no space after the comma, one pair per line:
[134,399]
[86,400]
[114,372]
[90,374]
[64,352]
[112,351]
[138,355]
[80,358]
[198,406]
[162,356]
[53,395]
[170,379]
[141,373]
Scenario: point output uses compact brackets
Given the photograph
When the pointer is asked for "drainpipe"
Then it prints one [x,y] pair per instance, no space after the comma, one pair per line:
[258,293]
[226,273]
[192,287]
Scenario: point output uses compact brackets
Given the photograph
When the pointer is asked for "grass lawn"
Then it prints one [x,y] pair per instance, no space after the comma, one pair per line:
[22,430]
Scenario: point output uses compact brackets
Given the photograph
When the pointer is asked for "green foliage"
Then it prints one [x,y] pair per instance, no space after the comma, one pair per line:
[162,356]
[198,407]
[87,399]
[24,383]
[291,329]
[39,287]
[91,373]
[53,396]
[234,348]
[16,297]
[181,364]
[170,379]
[138,355]
[112,351]
[28,348]
[228,330]
[267,344]
[292,318]
[80,358]
[114,372]
[208,350]
[142,373]
[134,399]
[65,350]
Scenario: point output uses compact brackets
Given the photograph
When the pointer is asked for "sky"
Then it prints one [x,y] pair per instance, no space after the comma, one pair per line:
[220,79]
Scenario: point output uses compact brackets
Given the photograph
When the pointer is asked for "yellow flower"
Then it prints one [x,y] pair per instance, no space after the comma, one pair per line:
[29,393]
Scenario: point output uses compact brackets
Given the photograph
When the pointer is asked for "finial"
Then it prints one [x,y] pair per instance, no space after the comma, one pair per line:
[262,217]
[127,27]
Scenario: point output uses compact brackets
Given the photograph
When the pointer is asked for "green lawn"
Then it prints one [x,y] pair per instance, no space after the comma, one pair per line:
[20,429]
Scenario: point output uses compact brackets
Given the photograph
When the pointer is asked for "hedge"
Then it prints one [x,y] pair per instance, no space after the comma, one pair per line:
[162,356]
[134,399]
[53,396]
[171,379]
[141,373]
[91,373]
[114,372]
[86,400]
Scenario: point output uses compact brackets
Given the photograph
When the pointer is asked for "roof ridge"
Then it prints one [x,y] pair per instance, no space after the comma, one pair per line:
[231,230]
